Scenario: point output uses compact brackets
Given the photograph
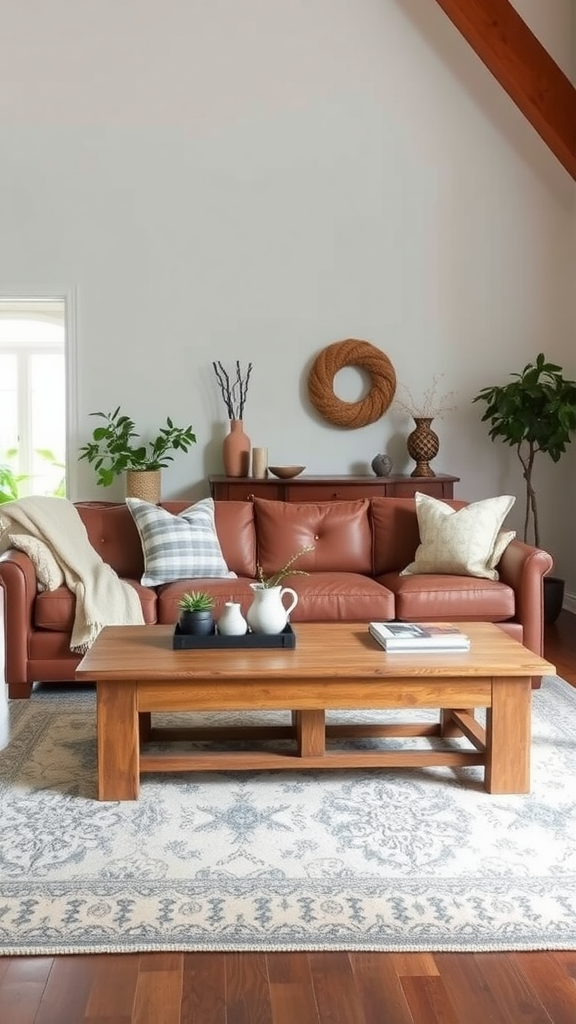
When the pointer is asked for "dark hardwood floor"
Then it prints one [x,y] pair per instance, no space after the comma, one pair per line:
[301,988]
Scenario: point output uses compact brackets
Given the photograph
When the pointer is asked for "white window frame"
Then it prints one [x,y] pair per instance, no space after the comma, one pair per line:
[67,296]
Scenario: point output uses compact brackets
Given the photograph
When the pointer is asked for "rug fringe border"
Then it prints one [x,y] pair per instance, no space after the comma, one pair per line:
[304,947]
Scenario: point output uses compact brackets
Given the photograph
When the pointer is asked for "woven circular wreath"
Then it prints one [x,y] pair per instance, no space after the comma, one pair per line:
[351,353]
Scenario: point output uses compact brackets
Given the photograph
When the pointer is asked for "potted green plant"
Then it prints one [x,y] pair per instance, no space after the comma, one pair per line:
[114,448]
[534,413]
[196,613]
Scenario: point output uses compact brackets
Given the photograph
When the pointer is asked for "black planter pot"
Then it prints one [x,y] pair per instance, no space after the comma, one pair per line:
[553,598]
[196,623]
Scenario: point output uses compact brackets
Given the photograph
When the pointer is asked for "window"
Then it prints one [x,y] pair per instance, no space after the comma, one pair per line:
[33,394]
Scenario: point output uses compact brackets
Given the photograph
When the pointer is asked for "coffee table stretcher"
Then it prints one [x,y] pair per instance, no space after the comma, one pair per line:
[124,731]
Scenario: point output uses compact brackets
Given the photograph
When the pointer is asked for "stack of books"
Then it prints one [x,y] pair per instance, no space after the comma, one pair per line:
[419,636]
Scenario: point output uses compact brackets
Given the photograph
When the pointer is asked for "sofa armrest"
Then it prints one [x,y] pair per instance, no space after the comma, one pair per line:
[523,568]
[18,582]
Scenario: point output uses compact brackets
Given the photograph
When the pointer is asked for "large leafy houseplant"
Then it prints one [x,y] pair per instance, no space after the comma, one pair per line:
[534,413]
[114,447]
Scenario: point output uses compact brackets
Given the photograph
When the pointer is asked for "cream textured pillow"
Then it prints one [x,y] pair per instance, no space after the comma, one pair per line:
[463,542]
[48,573]
[502,541]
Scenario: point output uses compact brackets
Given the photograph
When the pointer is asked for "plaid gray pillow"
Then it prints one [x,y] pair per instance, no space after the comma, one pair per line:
[179,547]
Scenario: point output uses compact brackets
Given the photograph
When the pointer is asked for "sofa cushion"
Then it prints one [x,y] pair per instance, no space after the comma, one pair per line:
[423,598]
[112,533]
[55,610]
[236,532]
[184,546]
[339,597]
[460,542]
[235,589]
[338,530]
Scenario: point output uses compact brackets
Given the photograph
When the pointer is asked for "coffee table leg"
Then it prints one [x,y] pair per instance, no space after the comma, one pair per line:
[508,737]
[118,741]
[311,733]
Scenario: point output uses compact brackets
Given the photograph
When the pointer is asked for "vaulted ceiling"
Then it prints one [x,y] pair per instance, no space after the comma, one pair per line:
[523,67]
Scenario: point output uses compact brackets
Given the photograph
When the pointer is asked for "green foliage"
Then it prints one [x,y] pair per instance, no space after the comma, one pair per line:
[196,601]
[535,412]
[50,457]
[276,578]
[9,480]
[113,448]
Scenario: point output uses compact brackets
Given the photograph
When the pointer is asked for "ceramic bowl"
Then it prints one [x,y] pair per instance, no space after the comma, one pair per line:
[285,472]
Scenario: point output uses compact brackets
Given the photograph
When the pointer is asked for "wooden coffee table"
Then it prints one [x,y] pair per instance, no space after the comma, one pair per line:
[334,666]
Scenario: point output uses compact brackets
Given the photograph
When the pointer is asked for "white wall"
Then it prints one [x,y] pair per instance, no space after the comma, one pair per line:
[257,180]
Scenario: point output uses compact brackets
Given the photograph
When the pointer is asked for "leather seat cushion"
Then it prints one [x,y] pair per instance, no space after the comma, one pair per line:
[221,589]
[339,597]
[449,598]
[55,609]
[322,597]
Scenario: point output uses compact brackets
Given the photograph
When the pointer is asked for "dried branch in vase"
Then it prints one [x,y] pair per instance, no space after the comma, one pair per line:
[235,391]
[431,406]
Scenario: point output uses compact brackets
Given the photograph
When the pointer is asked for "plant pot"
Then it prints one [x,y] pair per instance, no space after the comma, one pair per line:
[144,484]
[553,598]
[196,623]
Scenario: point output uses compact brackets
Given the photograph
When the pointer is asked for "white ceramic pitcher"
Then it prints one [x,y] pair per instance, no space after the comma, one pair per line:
[267,613]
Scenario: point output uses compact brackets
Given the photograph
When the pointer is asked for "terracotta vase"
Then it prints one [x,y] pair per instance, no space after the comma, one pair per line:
[423,445]
[236,450]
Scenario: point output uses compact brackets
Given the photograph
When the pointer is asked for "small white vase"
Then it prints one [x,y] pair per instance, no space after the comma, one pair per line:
[267,613]
[231,621]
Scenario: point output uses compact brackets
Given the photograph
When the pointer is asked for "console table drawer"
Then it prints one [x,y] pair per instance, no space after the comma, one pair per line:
[331,492]
[244,489]
[326,488]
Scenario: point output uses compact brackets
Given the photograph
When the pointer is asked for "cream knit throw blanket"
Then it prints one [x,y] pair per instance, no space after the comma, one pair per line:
[102,598]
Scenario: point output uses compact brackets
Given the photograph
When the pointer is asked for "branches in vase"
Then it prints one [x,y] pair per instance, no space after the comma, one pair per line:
[235,391]
[431,406]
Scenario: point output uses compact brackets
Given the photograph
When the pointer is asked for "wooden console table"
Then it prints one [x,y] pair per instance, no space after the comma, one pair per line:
[329,488]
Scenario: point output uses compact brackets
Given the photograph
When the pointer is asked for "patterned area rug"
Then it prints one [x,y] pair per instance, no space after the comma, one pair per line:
[360,860]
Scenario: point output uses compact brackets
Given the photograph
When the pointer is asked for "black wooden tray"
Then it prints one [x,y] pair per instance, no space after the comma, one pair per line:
[187,642]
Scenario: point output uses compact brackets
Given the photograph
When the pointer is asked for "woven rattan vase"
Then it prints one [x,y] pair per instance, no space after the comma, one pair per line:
[423,445]
[145,484]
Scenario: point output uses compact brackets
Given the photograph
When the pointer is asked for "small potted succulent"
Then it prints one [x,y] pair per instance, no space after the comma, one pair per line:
[196,613]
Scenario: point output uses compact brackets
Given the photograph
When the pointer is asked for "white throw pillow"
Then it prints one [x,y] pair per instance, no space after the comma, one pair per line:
[179,547]
[460,542]
[502,541]
[49,575]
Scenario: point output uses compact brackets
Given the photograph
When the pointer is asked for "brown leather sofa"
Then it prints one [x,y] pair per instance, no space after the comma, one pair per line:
[353,575]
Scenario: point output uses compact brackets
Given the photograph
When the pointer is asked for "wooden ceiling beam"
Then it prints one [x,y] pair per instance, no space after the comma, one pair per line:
[523,67]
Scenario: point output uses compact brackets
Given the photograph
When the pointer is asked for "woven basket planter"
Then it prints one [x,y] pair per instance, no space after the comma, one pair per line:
[145,484]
